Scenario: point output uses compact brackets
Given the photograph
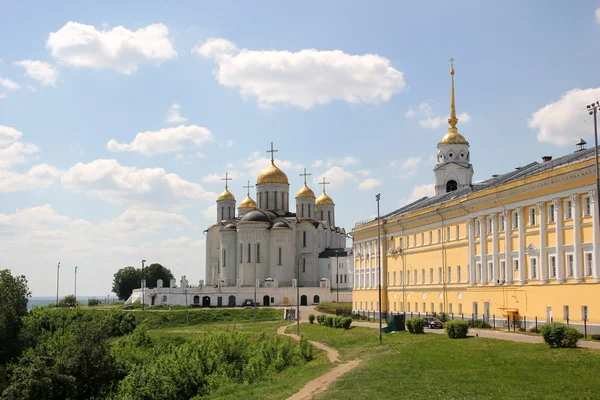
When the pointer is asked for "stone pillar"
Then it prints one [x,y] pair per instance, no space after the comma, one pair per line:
[560,261]
[576,212]
[507,242]
[494,219]
[482,244]
[596,236]
[522,268]
[471,236]
[542,261]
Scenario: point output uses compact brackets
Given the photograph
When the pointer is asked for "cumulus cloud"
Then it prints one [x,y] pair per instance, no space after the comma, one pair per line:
[369,184]
[167,140]
[344,161]
[304,78]
[407,167]
[418,192]
[563,122]
[119,49]
[8,135]
[117,184]
[38,177]
[598,15]
[15,153]
[174,115]
[336,176]
[424,112]
[8,84]
[364,172]
[255,164]
[40,71]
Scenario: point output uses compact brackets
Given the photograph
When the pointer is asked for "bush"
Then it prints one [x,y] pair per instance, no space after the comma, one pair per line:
[456,329]
[558,334]
[311,318]
[335,308]
[93,302]
[442,317]
[346,322]
[479,323]
[595,337]
[306,348]
[337,322]
[329,321]
[415,325]
[321,319]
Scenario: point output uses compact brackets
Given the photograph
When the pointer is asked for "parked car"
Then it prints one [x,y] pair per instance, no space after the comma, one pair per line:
[433,323]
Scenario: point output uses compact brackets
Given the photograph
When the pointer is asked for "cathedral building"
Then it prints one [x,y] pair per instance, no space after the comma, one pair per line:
[519,244]
[264,246]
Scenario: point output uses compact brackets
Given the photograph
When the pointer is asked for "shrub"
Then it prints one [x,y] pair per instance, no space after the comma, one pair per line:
[93,302]
[415,325]
[346,322]
[479,323]
[595,336]
[337,322]
[335,308]
[311,318]
[442,317]
[306,348]
[329,321]
[456,329]
[558,334]
[321,319]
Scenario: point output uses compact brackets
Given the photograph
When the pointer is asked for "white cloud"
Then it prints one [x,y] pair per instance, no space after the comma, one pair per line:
[114,183]
[3,96]
[304,78]
[8,135]
[174,115]
[344,161]
[317,163]
[424,112]
[406,167]
[598,15]
[179,156]
[210,212]
[40,70]
[167,140]
[364,172]
[336,176]
[418,192]
[369,184]
[230,143]
[15,153]
[120,49]
[563,122]
[8,84]
[38,177]
[215,178]
[255,164]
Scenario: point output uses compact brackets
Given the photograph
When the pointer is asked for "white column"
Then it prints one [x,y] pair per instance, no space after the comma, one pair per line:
[595,258]
[522,268]
[542,261]
[482,252]
[507,242]
[494,219]
[560,262]
[470,234]
[576,211]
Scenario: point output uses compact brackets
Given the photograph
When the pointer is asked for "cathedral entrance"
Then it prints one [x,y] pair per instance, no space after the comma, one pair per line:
[266,301]
[206,301]
[303,300]
[196,300]
[316,299]
[231,301]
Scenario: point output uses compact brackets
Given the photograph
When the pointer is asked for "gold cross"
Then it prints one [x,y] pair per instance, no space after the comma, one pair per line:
[452,63]
[305,175]
[272,151]
[248,187]
[324,183]
[227,178]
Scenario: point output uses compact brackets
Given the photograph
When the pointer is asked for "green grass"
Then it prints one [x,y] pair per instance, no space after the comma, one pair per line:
[330,308]
[431,365]
[180,334]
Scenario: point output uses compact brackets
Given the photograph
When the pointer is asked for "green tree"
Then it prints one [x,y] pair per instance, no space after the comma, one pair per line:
[125,280]
[67,301]
[13,307]
[154,272]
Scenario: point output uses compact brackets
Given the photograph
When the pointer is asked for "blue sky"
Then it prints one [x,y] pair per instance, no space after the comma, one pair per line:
[352,91]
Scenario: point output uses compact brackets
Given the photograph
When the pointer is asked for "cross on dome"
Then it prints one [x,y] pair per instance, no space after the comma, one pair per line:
[248,187]
[272,151]
[305,175]
[227,178]
[324,183]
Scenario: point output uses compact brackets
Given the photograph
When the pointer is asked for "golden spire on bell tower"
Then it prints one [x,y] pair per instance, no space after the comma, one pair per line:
[453,137]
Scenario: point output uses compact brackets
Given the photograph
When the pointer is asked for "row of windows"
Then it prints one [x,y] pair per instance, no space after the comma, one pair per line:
[406,240]
[414,277]
[341,278]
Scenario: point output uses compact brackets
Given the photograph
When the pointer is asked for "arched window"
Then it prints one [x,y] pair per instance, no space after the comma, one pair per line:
[304,239]
[275,195]
[451,186]
[267,201]
[321,215]
[329,216]
[249,259]
[222,213]
[309,212]
[302,215]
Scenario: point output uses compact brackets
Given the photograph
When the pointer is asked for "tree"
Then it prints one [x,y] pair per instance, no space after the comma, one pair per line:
[67,301]
[154,272]
[13,307]
[125,280]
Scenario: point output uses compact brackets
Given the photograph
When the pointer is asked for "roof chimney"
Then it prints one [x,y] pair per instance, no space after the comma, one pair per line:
[546,158]
[580,145]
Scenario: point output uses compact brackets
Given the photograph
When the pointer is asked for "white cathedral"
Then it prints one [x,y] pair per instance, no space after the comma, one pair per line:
[266,249]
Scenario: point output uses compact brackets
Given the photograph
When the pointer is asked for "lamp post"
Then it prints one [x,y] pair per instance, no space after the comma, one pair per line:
[75,284]
[298,298]
[378,196]
[143,283]
[337,279]
[593,109]
[57,280]
[255,254]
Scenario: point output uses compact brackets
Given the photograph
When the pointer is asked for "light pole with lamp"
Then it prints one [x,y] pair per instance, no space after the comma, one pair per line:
[592,110]
[378,196]
[76,284]
[337,278]
[298,297]
[143,283]
[255,255]
[57,280]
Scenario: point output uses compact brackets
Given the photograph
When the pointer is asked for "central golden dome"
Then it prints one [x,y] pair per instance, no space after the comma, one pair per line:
[247,203]
[272,175]
[226,195]
[453,137]
[324,199]
[305,191]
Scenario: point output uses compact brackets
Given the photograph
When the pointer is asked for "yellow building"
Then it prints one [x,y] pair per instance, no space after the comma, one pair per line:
[521,244]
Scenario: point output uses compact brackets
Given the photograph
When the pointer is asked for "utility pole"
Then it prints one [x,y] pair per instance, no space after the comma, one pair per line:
[255,254]
[298,297]
[593,109]
[76,284]
[143,283]
[378,196]
[187,315]
[337,278]
[57,280]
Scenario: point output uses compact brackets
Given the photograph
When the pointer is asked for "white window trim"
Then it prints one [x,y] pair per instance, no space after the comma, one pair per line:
[567,272]
[551,273]
[551,213]
[537,266]
[584,201]
[533,219]
[585,266]
[568,210]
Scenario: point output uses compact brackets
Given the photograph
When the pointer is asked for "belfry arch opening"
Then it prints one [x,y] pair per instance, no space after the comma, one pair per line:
[451,186]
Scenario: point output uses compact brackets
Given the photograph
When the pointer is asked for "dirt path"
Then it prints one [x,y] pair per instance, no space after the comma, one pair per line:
[321,383]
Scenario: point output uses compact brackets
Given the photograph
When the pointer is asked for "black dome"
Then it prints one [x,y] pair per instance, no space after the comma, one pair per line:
[255,216]
[280,224]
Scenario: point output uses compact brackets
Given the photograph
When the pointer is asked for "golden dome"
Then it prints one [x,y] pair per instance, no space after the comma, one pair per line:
[453,137]
[305,191]
[272,175]
[226,195]
[324,199]
[247,203]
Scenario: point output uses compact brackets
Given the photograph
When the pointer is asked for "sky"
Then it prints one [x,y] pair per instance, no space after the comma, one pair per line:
[119,119]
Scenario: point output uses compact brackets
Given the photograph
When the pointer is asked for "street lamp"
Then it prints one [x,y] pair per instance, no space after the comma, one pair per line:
[337,278]
[378,196]
[298,297]
[255,255]
[75,284]
[57,280]
[143,289]
[593,109]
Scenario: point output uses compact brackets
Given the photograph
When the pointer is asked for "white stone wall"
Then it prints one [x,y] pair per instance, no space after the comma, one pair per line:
[225,210]
[305,208]
[326,212]
[267,193]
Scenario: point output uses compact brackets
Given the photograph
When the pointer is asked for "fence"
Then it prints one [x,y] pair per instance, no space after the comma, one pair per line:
[510,324]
